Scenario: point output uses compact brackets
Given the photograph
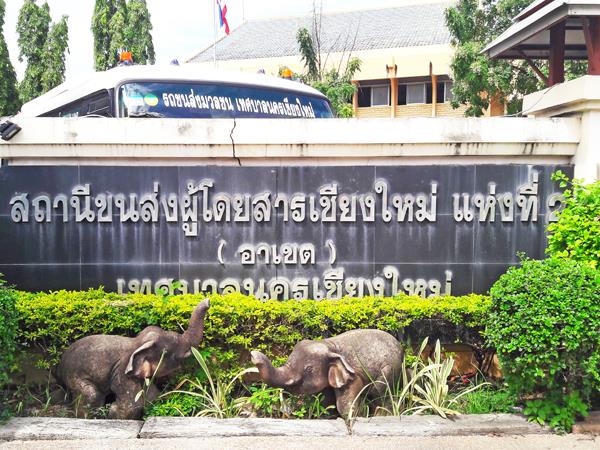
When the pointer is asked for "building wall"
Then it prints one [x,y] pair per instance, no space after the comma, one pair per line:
[410,62]
[404,63]
[414,110]
[446,110]
[374,112]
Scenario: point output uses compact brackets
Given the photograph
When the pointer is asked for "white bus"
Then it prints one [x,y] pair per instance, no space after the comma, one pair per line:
[180,92]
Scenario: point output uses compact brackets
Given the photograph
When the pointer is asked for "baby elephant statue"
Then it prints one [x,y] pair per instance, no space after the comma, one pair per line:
[345,364]
[95,367]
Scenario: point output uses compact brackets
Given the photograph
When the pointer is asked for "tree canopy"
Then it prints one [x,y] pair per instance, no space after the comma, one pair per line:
[335,83]
[478,79]
[43,45]
[139,25]
[9,96]
[121,25]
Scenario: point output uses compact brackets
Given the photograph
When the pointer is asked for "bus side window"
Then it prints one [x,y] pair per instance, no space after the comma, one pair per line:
[97,104]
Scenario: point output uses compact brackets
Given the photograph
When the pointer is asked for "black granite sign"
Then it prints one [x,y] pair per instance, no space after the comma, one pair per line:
[275,232]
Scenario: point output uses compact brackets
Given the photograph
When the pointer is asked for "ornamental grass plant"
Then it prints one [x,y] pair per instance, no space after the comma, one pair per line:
[422,388]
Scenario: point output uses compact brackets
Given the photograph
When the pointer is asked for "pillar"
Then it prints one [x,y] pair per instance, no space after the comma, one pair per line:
[587,159]
[556,61]
[591,31]
[355,99]
[393,96]
[433,94]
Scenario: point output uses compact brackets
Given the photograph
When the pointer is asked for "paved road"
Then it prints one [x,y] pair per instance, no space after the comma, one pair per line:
[527,442]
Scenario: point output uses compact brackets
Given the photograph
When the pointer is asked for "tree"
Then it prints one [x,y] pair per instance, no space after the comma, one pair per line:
[119,25]
[117,31]
[335,83]
[54,55]
[103,11]
[43,45]
[478,79]
[9,96]
[139,26]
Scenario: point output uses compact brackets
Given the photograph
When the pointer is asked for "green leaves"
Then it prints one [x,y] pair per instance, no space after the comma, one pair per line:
[120,25]
[576,235]
[336,86]
[138,35]
[214,394]
[545,325]
[236,323]
[8,338]
[55,48]
[310,57]
[9,96]
[477,79]
[43,46]
[558,411]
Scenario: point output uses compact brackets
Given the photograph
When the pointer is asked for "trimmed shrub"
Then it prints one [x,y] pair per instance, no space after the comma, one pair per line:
[8,333]
[576,235]
[237,323]
[545,325]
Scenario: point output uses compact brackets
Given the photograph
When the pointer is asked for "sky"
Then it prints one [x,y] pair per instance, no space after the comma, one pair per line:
[181,28]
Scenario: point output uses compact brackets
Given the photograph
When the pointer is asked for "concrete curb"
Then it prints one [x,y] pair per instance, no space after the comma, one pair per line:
[188,427]
[56,428]
[49,428]
[463,425]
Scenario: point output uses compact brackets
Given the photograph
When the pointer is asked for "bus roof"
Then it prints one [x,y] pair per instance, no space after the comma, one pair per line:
[73,90]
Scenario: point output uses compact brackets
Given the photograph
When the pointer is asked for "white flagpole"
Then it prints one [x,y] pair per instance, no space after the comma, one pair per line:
[215,33]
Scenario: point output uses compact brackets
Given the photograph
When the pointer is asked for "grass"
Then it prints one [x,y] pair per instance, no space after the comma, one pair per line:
[487,400]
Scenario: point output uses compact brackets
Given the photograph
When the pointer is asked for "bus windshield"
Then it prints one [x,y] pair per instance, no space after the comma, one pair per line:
[213,100]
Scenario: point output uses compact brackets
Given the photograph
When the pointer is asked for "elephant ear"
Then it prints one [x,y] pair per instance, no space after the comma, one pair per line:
[340,372]
[136,359]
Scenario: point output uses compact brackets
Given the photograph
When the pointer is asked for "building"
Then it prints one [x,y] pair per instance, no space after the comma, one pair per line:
[405,53]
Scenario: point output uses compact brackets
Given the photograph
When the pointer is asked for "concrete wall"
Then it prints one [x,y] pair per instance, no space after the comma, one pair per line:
[295,142]
[456,158]
[578,98]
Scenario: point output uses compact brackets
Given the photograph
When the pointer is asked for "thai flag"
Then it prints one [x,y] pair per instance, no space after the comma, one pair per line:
[222,16]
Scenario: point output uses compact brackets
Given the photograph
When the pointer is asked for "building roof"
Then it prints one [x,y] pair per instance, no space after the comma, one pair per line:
[406,26]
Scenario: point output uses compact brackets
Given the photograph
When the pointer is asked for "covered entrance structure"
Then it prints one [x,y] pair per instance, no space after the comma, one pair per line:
[554,30]
[557,30]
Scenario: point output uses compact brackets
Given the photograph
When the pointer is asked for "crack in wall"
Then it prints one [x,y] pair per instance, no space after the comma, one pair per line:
[233,143]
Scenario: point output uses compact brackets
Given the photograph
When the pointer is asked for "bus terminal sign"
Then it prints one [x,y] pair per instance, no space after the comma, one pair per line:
[273,232]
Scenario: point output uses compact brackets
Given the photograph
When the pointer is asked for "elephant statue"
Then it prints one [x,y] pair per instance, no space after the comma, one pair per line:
[101,365]
[344,364]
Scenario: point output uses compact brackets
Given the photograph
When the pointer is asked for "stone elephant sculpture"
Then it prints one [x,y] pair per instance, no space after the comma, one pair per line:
[345,364]
[98,366]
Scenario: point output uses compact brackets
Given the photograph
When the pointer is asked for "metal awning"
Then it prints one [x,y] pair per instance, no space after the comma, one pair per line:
[529,36]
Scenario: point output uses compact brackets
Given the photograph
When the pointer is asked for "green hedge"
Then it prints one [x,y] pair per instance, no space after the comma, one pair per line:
[8,334]
[237,323]
[545,325]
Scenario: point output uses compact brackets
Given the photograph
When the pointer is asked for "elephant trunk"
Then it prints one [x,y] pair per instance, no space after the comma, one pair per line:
[275,377]
[195,331]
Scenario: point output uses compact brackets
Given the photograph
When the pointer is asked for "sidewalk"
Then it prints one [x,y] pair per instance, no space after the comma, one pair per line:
[526,442]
